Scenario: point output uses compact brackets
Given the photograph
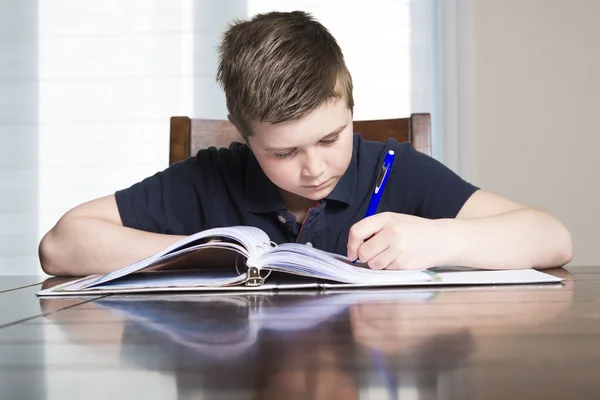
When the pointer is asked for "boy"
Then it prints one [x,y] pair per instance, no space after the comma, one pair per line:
[303,175]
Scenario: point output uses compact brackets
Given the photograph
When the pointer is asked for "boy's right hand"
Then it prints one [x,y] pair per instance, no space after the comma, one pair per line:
[395,241]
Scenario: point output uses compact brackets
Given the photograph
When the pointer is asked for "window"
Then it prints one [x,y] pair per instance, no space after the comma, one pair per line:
[91,87]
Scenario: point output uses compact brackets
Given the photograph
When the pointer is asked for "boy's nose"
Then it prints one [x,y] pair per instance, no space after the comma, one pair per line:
[313,167]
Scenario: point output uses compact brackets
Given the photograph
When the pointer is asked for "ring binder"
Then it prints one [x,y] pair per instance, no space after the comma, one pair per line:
[254,278]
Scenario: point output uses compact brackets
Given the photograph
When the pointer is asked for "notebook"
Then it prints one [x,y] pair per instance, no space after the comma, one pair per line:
[243,258]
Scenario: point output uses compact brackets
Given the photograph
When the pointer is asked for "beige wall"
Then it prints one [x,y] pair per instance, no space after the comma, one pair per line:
[535,102]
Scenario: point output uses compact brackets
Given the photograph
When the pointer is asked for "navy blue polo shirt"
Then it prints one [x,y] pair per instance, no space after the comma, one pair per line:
[225,187]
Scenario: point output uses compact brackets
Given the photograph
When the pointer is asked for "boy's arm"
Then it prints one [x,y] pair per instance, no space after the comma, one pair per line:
[489,232]
[454,223]
[91,239]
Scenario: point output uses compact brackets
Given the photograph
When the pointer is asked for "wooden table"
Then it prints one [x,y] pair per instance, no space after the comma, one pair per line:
[505,342]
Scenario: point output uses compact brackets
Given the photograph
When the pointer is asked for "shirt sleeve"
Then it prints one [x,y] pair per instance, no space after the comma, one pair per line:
[432,189]
[177,200]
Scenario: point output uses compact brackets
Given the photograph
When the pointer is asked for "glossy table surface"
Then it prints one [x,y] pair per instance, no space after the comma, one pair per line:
[504,342]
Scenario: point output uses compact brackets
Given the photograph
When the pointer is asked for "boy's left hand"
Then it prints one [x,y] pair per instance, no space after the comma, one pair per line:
[395,241]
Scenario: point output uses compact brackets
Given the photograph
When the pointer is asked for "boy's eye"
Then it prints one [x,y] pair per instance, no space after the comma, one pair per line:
[290,153]
[286,154]
[331,140]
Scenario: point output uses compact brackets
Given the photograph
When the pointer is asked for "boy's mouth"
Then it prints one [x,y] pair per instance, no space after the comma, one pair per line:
[320,186]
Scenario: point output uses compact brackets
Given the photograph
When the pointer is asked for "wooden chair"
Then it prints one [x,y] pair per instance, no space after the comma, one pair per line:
[190,135]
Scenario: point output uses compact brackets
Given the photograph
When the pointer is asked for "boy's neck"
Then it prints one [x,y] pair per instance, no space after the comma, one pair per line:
[297,205]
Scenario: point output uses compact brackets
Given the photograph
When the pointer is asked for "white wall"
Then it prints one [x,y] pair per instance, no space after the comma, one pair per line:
[535,105]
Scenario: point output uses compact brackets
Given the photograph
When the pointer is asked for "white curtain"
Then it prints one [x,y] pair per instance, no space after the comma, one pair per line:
[87,90]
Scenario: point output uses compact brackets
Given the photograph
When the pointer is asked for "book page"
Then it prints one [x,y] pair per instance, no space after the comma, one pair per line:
[213,255]
[180,279]
[299,259]
[246,240]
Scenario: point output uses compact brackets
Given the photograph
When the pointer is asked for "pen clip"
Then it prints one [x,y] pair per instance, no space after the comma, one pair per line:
[382,173]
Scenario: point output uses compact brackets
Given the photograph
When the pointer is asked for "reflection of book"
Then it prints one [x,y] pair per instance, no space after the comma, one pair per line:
[221,327]
[242,258]
[226,326]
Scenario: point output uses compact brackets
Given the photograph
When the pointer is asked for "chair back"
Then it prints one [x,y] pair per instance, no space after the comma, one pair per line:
[188,135]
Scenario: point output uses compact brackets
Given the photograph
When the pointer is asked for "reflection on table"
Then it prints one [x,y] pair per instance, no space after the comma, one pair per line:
[326,345]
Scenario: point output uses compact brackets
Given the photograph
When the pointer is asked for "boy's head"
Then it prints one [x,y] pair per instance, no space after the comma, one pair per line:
[278,67]
[289,93]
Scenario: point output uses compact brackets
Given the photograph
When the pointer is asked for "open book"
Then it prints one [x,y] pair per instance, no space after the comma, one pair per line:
[243,258]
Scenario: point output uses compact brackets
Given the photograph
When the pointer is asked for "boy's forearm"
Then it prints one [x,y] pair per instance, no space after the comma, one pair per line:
[524,238]
[82,246]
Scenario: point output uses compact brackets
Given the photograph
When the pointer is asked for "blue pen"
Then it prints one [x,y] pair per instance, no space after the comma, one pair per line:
[386,167]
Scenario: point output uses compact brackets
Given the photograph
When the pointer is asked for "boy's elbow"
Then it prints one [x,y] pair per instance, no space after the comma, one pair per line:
[49,255]
[563,253]
[557,250]
[566,253]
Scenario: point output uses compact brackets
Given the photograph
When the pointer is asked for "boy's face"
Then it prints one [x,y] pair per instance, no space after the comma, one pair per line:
[306,157]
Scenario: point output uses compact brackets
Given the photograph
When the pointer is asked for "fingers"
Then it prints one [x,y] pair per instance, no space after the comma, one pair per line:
[373,248]
[361,231]
[384,260]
